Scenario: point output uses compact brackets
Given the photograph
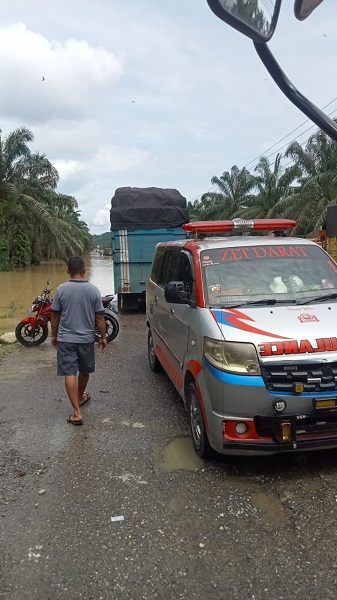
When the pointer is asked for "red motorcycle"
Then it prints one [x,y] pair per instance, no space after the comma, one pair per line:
[33,329]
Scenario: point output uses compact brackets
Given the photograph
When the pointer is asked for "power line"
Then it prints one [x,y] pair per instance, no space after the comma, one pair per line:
[273,146]
[301,143]
[300,134]
[285,137]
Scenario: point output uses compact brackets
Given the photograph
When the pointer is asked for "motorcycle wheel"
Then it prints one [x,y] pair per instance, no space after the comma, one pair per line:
[28,336]
[112,329]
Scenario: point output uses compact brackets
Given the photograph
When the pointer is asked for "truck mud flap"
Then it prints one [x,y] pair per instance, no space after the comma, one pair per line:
[130,301]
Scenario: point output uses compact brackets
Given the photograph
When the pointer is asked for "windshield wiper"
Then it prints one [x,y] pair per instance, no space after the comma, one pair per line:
[264,302]
[319,298]
[268,301]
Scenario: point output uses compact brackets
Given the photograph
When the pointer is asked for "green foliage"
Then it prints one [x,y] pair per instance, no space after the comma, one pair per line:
[250,13]
[10,312]
[39,223]
[20,246]
[4,254]
[103,240]
[301,192]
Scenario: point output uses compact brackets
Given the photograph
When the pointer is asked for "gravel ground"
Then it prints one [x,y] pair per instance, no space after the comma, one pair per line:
[236,528]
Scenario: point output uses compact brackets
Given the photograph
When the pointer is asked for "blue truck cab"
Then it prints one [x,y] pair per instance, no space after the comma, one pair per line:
[140,219]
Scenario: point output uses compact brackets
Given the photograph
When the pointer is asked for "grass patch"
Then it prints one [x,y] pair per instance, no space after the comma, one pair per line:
[10,312]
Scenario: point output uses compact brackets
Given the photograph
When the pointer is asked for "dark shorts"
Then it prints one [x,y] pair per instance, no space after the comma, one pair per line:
[72,358]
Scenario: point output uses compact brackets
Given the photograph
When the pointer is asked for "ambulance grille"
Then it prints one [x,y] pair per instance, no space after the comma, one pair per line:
[315,378]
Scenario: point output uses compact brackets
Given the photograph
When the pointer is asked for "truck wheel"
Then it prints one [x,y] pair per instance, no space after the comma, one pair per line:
[153,360]
[196,422]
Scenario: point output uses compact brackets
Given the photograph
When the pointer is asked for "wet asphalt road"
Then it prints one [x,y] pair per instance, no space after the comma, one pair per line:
[232,528]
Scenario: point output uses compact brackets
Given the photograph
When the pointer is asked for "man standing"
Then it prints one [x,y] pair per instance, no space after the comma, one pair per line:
[77,308]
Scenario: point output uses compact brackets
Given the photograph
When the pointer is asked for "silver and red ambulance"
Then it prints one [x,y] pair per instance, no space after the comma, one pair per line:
[245,325]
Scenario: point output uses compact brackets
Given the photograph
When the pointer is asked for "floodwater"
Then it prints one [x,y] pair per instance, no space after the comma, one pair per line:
[18,288]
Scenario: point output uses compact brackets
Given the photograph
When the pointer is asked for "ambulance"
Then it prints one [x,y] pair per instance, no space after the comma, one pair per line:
[243,320]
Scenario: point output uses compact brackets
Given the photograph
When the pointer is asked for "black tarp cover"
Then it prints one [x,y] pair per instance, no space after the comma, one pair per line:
[147,208]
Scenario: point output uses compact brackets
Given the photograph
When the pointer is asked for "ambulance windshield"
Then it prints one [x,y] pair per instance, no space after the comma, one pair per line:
[279,273]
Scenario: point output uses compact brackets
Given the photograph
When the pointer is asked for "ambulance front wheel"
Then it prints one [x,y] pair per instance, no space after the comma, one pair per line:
[197,424]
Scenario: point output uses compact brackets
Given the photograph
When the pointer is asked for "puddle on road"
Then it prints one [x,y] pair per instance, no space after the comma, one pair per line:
[271,509]
[179,455]
[237,483]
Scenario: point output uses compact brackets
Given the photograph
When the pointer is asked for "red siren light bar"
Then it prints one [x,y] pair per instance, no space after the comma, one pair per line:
[204,227]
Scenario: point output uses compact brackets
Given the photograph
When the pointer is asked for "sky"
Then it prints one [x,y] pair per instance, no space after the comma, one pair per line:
[154,92]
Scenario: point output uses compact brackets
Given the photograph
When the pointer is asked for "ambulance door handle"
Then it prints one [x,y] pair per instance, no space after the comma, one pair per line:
[171,312]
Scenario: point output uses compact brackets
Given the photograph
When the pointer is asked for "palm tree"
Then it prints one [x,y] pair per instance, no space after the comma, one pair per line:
[318,182]
[250,13]
[29,208]
[208,208]
[273,184]
[233,194]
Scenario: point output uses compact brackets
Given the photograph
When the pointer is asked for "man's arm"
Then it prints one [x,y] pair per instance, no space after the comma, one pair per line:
[55,321]
[101,326]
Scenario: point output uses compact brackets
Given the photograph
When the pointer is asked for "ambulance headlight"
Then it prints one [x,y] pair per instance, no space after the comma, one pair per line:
[234,357]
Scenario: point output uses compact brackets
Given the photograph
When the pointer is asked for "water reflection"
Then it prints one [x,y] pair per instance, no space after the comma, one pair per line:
[19,288]
[100,273]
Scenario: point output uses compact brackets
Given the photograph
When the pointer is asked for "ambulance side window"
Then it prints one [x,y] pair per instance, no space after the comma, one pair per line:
[170,263]
[185,272]
[157,264]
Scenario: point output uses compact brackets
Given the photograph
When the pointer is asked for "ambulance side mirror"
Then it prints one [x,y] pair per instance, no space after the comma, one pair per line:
[177,292]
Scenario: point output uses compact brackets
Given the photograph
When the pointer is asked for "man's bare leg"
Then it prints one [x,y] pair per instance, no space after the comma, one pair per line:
[83,379]
[72,391]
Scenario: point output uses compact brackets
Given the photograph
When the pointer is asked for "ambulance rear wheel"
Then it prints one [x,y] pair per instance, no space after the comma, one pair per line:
[154,363]
[197,424]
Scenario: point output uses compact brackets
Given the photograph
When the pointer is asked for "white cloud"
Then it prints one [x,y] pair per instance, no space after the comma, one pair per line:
[68,139]
[76,76]
[102,217]
[113,158]
[68,168]
[99,165]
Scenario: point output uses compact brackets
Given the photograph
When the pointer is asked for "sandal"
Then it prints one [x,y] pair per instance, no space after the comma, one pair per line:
[74,421]
[86,399]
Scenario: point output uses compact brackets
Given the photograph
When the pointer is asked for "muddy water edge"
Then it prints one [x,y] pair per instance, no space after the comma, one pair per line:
[20,287]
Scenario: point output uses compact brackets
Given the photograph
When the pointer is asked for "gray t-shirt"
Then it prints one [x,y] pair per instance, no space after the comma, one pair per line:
[78,301]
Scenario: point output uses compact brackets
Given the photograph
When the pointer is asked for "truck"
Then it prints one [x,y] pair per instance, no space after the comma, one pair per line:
[140,219]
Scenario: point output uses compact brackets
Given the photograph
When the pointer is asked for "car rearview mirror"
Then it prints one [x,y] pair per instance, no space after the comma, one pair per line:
[255,18]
